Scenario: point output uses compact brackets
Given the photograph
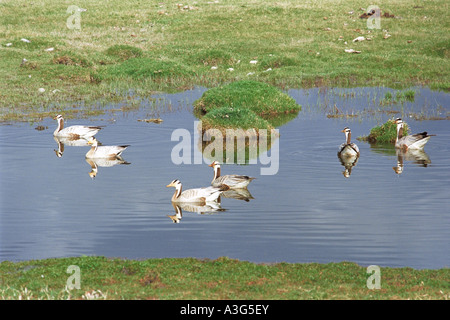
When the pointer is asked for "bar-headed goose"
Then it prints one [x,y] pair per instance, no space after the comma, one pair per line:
[74,132]
[413,141]
[108,152]
[348,149]
[234,181]
[198,195]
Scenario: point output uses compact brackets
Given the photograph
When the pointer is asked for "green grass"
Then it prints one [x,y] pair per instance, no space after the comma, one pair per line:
[148,47]
[223,278]
[234,117]
[385,133]
[138,68]
[245,104]
[261,98]
[124,52]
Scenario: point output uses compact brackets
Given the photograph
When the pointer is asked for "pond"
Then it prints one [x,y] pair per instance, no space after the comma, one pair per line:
[310,208]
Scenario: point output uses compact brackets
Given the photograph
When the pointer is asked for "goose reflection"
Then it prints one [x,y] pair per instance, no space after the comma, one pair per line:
[69,141]
[206,208]
[348,163]
[417,156]
[102,162]
[238,194]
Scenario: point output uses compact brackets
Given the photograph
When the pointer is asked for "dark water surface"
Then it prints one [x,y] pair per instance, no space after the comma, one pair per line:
[306,212]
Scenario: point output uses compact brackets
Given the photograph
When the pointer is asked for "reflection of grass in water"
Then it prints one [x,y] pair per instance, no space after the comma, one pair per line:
[383,148]
[280,119]
[248,145]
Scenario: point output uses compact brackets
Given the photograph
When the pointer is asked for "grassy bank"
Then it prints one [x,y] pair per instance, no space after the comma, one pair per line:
[124,50]
[223,278]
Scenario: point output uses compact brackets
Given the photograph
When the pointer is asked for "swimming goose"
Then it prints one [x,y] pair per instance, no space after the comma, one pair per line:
[198,195]
[348,149]
[108,152]
[74,132]
[414,141]
[234,181]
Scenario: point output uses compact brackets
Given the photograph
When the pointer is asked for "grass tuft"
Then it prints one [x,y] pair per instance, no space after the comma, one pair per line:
[245,104]
[261,98]
[386,133]
[234,117]
[124,52]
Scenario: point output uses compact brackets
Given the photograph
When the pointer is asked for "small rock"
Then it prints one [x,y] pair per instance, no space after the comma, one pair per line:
[230,69]
[358,39]
[213,68]
[352,51]
[49,49]
[8,44]
[25,40]
[41,90]
[254,61]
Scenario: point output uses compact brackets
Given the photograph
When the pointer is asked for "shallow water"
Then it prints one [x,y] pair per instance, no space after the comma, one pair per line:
[306,212]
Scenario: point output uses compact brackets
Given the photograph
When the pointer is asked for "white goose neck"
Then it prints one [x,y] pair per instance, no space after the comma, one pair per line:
[60,125]
[399,131]
[216,171]
[348,136]
[177,193]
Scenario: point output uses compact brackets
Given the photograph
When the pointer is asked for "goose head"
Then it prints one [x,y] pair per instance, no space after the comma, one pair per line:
[60,120]
[214,164]
[399,123]
[348,134]
[398,120]
[175,183]
[93,142]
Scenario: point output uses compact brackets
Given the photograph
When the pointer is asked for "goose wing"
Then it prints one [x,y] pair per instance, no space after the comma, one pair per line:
[200,194]
[417,140]
[233,181]
[110,151]
[78,130]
